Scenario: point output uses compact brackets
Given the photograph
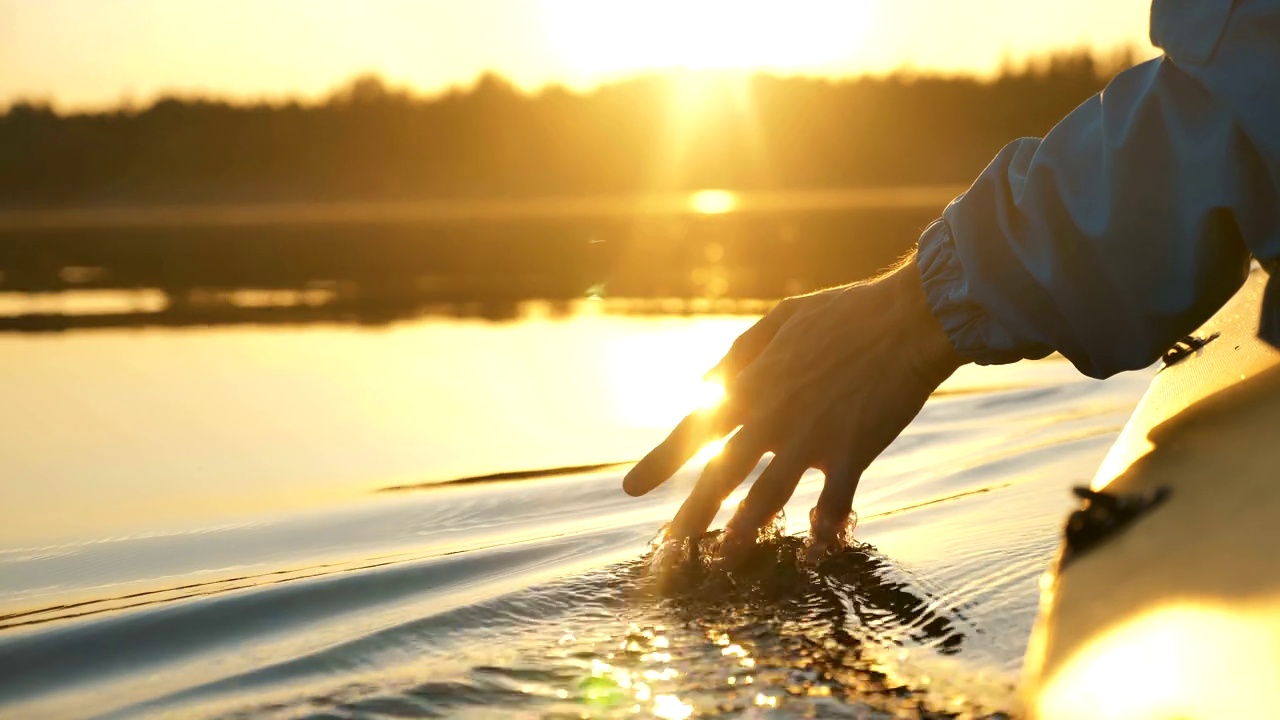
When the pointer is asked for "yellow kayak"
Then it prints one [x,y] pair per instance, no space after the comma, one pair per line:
[1172,609]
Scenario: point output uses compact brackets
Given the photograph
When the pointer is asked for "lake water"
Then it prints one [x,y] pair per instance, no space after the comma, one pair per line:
[191,525]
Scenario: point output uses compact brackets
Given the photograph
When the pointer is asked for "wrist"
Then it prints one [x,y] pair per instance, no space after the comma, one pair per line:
[928,348]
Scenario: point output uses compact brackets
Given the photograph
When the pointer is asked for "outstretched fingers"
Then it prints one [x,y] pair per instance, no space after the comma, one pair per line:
[688,437]
[703,426]
[719,478]
[829,519]
[768,496]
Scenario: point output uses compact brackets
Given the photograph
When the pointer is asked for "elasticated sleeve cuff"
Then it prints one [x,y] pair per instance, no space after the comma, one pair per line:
[973,333]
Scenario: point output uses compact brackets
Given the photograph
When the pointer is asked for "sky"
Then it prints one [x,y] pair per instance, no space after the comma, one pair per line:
[87,54]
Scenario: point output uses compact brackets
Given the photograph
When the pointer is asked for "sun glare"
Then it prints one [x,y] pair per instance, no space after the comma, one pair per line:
[656,378]
[598,38]
[713,202]
[710,394]
[1172,661]
[709,451]
[710,48]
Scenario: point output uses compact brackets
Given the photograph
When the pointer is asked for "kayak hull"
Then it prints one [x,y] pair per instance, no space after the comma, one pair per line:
[1177,614]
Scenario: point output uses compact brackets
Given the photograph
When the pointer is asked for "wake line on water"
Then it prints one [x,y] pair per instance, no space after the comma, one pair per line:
[184,592]
[508,476]
[189,591]
[818,630]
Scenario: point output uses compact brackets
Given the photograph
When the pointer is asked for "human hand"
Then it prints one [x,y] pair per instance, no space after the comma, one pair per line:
[823,381]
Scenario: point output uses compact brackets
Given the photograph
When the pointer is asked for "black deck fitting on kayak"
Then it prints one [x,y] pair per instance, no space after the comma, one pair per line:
[1103,516]
[1186,347]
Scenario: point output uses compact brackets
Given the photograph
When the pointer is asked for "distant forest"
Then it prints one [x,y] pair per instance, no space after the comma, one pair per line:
[376,205]
[372,142]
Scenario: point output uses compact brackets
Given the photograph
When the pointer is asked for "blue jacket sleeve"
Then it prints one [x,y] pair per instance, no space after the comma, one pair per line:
[1133,220]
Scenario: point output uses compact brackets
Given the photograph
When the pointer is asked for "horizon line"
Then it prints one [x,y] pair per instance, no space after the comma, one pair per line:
[1011,66]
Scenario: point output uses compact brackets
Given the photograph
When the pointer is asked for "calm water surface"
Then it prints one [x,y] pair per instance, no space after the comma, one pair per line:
[190,525]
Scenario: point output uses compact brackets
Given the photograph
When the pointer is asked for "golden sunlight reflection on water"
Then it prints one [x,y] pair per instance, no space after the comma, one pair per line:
[130,430]
[656,380]
[615,686]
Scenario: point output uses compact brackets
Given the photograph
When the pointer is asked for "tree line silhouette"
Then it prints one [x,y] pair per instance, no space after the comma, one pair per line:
[382,203]
[369,141]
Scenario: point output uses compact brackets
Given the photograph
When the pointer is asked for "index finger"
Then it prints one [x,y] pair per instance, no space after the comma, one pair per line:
[689,436]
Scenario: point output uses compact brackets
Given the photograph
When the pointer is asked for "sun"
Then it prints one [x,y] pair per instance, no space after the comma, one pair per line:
[709,48]
[600,39]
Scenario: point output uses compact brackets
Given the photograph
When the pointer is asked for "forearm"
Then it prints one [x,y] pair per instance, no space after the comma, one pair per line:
[1109,240]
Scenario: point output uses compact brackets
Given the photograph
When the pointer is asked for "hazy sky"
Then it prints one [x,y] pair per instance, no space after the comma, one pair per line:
[84,53]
